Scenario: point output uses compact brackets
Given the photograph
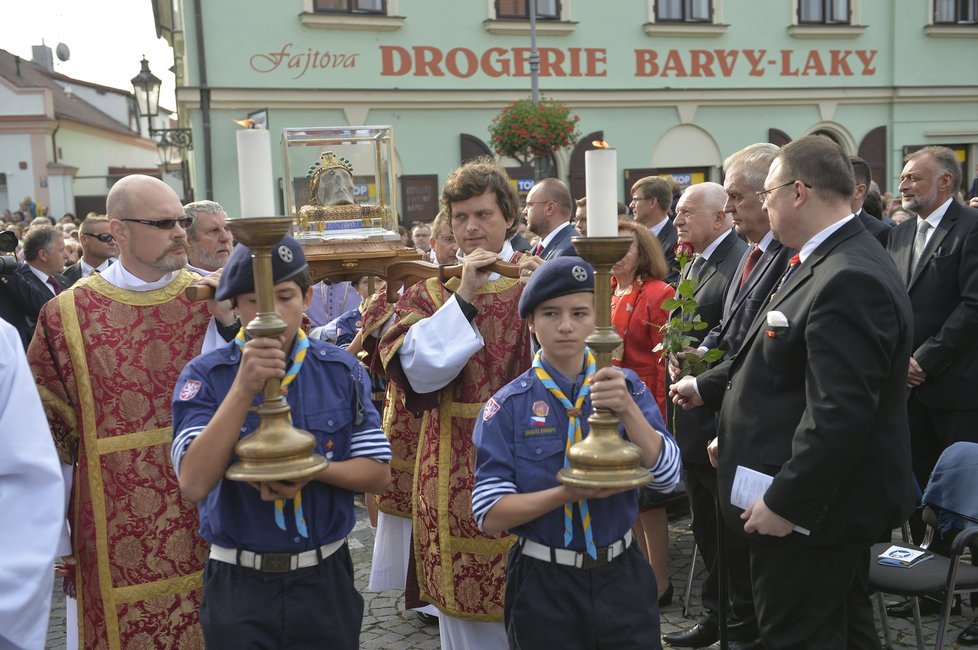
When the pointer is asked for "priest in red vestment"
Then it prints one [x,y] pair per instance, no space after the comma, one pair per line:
[451,347]
[106,355]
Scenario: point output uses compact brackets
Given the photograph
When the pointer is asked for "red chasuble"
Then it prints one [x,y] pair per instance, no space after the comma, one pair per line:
[461,570]
[106,361]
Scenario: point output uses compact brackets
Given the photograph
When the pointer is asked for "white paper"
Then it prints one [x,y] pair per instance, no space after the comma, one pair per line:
[750,485]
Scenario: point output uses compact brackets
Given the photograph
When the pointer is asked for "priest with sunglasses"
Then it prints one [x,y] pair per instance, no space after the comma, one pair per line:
[106,355]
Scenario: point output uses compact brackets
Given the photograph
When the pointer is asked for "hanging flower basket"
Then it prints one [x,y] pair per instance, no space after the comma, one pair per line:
[524,130]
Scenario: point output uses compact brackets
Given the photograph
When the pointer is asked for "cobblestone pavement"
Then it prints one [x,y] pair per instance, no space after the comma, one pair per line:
[387,626]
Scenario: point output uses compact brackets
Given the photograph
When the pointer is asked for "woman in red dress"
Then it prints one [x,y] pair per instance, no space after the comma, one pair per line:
[638,292]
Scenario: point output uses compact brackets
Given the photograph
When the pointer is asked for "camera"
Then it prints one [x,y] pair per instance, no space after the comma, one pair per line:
[8,244]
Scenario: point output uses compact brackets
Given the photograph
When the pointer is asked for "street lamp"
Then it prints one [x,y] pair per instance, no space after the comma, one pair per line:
[146,87]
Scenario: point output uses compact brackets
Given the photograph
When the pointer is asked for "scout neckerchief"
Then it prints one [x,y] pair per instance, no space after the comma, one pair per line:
[574,434]
[300,354]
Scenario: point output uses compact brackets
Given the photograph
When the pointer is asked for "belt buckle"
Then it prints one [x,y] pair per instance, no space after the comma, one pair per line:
[587,562]
[276,562]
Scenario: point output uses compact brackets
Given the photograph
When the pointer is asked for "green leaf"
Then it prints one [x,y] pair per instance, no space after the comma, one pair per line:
[669,304]
[686,288]
[713,355]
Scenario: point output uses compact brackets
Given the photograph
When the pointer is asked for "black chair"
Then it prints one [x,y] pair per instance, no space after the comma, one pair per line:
[944,504]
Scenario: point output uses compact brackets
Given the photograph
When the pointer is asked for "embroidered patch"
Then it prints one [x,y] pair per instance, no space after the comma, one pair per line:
[490,409]
[541,409]
[285,254]
[189,389]
[579,273]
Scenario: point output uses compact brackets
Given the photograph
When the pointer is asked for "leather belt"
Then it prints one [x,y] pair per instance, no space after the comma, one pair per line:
[568,557]
[275,562]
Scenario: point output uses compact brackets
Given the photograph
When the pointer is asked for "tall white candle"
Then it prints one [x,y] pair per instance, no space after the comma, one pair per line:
[255,173]
[601,170]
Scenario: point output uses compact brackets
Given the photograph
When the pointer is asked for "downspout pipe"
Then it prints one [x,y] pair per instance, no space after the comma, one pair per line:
[205,99]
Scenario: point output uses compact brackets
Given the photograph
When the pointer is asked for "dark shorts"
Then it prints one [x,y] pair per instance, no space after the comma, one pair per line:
[550,605]
[314,607]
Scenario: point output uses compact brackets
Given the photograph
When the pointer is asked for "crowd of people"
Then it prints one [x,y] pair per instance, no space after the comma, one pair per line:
[837,323]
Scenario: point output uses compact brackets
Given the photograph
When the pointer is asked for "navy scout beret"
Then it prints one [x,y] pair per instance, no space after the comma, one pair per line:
[288,261]
[555,278]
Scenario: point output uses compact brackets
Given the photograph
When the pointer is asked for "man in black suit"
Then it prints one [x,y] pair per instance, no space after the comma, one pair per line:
[757,272]
[651,200]
[943,287]
[814,399]
[864,178]
[34,282]
[548,210]
[702,222]
[99,249]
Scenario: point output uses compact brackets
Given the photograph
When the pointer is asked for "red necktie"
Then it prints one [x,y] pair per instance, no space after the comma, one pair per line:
[752,257]
[539,250]
[55,286]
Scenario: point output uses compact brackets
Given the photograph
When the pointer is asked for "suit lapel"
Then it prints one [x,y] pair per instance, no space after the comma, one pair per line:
[711,264]
[901,248]
[798,279]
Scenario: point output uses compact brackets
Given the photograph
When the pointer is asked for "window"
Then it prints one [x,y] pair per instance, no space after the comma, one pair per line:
[351,6]
[955,12]
[684,11]
[823,12]
[520,9]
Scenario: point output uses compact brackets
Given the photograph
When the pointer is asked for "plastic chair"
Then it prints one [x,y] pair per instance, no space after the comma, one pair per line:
[949,491]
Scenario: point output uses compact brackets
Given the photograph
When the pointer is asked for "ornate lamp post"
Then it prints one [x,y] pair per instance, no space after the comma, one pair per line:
[146,87]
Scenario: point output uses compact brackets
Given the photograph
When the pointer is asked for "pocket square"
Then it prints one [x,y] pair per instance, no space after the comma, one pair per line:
[777,319]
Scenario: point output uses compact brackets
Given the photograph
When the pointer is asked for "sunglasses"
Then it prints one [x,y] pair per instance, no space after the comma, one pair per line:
[164,224]
[103,237]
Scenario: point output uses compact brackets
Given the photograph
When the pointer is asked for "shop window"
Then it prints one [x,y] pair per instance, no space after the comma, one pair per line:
[824,12]
[955,12]
[684,11]
[351,6]
[520,9]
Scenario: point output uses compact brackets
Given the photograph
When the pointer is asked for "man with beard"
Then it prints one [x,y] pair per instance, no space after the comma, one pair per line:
[105,356]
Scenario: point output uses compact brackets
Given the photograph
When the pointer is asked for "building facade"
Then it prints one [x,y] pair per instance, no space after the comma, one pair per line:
[674,85]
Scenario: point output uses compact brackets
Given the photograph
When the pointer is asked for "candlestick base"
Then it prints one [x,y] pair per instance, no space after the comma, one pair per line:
[603,459]
[276,450]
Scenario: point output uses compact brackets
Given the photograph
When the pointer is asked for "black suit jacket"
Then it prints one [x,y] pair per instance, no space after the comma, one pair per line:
[944,294]
[669,237]
[561,244]
[72,274]
[741,304]
[22,295]
[820,404]
[878,229]
[696,428]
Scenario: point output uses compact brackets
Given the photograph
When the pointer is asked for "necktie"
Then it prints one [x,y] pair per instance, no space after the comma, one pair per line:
[55,285]
[693,270]
[752,257]
[302,345]
[538,251]
[574,434]
[792,265]
[920,241]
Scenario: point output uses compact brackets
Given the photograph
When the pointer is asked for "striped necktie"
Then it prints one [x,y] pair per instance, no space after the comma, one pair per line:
[792,265]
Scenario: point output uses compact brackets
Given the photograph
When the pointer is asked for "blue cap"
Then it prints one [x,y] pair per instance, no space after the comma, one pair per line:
[288,261]
[555,278]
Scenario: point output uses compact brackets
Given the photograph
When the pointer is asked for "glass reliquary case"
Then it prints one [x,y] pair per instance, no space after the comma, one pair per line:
[341,183]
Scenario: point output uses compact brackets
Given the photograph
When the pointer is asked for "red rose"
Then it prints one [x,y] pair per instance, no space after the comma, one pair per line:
[684,249]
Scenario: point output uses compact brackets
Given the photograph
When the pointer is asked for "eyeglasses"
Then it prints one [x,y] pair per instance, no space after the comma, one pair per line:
[764,194]
[103,237]
[164,224]
[529,203]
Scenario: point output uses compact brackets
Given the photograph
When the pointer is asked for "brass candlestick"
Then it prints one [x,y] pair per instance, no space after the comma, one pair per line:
[603,459]
[276,451]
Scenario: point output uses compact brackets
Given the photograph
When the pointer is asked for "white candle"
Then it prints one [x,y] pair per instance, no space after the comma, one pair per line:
[255,173]
[601,170]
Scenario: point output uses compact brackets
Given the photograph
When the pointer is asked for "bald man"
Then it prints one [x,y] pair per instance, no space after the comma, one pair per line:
[701,221]
[106,355]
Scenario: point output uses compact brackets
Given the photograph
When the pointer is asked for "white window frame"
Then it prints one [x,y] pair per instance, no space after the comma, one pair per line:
[390,21]
[685,30]
[946,30]
[563,26]
[853,29]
